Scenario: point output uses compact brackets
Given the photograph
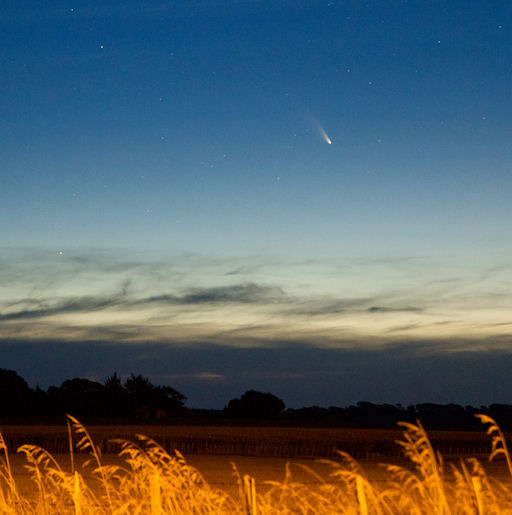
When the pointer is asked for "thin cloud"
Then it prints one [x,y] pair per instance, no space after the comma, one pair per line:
[322,306]
[237,294]
[240,293]
[250,293]
[195,376]
[403,328]
[381,309]
[74,305]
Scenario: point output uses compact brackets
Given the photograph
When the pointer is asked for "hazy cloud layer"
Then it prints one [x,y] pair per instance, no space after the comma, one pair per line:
[126,296]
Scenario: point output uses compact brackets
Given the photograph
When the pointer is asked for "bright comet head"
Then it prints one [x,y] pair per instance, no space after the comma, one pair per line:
[320,129]
[322,132]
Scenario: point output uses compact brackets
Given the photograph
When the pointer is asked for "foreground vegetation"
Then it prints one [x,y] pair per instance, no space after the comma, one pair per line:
[152,481]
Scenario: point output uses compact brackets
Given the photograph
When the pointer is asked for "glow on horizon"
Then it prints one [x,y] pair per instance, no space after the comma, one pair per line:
[237,326]
[278,302]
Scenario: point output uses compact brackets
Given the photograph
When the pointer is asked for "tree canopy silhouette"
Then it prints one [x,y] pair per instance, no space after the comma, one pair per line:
[81,396]
[253,404]
[138,397]
[15,395]
[150,399]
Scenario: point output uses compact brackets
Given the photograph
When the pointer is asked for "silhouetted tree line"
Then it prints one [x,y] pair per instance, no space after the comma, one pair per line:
[257,405]
[138,398]
[432,416]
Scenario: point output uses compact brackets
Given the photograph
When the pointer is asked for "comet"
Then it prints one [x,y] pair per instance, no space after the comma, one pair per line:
[321,130]
[324,135]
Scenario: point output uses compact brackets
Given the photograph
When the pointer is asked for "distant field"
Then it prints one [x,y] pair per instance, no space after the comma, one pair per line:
[278,442]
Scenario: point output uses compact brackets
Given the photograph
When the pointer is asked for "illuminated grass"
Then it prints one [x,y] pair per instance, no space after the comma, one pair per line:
[152,481]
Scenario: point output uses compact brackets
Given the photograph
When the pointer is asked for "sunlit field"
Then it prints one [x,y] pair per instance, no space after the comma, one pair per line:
[149,480]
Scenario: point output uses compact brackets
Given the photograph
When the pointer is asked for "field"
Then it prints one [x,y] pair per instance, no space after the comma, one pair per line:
[277,470]
[276,442]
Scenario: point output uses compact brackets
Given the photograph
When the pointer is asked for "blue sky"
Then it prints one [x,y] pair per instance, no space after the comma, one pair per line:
[166,181]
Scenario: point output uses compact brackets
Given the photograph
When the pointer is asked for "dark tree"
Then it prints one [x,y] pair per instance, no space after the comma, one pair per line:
[140,391]
[113,383]
[15,395]
[148,400]
[502,413]
[117,397]
[253,404]
[40,402]
[80,397]
[168,399]
[140,387]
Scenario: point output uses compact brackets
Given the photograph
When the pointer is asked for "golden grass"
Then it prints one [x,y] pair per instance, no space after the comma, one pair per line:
[152,481]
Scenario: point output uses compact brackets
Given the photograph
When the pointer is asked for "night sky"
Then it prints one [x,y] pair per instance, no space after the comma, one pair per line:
[307,197]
